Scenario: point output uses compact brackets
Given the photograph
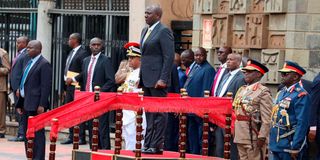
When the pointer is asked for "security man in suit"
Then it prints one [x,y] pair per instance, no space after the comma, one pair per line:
[290,115]
[252,106]
[18,62]
[157,48]
[34,93]
[74,64]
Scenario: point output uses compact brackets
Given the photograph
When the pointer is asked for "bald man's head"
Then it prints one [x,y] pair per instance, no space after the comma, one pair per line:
[233,61]
[22,42]
[96,45]
[153,14]
[34,48]
[187,57]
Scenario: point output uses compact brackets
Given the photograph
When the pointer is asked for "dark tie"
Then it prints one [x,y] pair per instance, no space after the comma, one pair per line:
[68,62]
[222,83]
[88,84]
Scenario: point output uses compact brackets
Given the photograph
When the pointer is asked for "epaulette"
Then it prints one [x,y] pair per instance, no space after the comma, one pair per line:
[302,94]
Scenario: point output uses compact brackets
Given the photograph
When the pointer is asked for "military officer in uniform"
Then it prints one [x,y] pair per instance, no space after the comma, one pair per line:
[252,106]
[290,115]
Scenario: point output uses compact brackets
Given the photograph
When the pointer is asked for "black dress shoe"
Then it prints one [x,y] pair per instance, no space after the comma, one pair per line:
[68,141]
[82,142]
[16,139]
[153,151]
[2,135]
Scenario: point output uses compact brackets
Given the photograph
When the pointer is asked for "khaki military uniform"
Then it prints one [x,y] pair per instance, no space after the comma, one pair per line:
[4,71]
[252,106]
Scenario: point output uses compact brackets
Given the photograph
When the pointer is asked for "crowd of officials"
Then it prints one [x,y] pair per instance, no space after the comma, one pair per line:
[285,124]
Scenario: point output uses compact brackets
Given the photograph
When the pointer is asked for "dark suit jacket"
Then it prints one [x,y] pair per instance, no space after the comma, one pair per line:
[76,63]
[236,82]
[157,56]
[17,70]
[37,87]
[315,105]
[175,87]
[103,75]
[200,80]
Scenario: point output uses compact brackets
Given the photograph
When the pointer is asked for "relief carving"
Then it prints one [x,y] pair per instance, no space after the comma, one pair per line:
[257,6]
[273,59]
[197,6]
[275,6]
[223,6]
[242,52]
[221,31]
[238,39]
[256,31]
[209,6]
[207,33]
[276,40]
[238,6]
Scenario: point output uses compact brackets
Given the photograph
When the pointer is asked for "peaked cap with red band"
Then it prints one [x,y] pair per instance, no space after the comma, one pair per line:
[133,49]
[290,66]
[253,65]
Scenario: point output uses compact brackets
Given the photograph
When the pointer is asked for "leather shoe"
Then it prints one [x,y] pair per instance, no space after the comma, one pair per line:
[16,139]
[68,141]
[2,135]
[153,151]
[82,142]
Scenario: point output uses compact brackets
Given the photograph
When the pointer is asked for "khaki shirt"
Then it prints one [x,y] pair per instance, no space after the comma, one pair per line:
[255,102]
[4,70]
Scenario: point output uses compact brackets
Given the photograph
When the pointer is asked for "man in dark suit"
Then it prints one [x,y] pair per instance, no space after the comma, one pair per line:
[34,93]
[17,65]
[74,64]
[97,70]
[231,81]
[156,65]
[199,80]
[314,133]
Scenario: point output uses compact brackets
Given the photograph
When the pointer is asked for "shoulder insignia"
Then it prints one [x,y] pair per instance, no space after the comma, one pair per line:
[255,87]
[298,89]
[302,94]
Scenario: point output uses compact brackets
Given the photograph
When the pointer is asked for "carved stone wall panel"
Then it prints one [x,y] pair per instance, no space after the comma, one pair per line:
[256,31]
[197,6]
[238,39]
[239,6]
[242,52]
[196,25]
[277,40]
[257,6]
[273,59]
[196,38]
[275,6]
[223,6]
[209,6]
[207,33]
[222,30]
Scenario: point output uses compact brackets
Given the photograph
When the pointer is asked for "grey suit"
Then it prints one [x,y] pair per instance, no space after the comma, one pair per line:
[156,64]
[236,82]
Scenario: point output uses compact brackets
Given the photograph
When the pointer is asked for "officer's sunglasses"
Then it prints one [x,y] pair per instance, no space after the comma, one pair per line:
[283,74]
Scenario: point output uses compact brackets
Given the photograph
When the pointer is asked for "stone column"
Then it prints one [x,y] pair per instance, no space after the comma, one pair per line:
[136,19]
[44,27]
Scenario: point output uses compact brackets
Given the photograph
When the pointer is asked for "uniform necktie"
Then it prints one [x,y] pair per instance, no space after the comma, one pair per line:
[222,83]
[88,84]
[68,62]
[23,80]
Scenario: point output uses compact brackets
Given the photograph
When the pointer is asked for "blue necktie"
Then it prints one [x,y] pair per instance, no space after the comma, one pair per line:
[25,74]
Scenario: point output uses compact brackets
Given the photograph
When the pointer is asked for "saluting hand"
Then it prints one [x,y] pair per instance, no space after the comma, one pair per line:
[160,84]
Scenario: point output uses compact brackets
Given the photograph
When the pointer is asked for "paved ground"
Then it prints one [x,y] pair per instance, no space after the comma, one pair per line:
[15,150]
